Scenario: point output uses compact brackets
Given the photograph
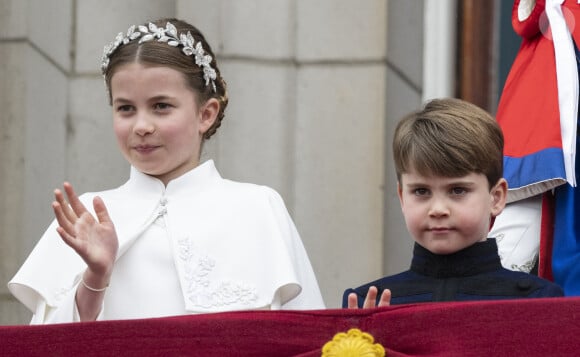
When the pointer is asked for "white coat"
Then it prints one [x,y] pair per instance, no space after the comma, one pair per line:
[202,244]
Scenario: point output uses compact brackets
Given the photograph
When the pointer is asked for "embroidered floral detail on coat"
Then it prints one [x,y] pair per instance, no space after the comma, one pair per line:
[61,293]
[527,266]
[203,291]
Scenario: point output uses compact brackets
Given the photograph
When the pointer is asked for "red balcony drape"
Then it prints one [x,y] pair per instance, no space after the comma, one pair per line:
[534,327]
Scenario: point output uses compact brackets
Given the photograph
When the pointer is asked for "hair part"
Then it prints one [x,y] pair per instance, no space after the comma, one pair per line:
[156,53]
[450,138]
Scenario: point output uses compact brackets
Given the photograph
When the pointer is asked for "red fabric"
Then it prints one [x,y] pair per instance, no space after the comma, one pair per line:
[532,327]
[528,111]
[522,100]
[530,26]
[546,236]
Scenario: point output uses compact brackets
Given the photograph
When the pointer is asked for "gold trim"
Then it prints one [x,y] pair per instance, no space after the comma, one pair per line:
[353,343]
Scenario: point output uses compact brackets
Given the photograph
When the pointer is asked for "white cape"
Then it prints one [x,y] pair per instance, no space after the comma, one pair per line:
[241,234]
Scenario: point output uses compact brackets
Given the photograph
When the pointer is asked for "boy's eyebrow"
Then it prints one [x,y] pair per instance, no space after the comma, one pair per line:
[452,183]
[121,100]
[461,183]
[415,184]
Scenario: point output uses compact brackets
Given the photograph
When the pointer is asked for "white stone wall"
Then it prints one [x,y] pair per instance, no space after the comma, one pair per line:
[307,116]
[307,90]
[404,81]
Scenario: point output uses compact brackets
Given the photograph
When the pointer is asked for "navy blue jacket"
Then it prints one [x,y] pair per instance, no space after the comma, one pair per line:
[474,273]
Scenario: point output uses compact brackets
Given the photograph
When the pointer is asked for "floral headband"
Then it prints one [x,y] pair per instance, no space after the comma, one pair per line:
[168,35]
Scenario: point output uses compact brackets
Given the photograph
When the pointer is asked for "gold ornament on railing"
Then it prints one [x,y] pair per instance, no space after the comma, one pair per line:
[353,343]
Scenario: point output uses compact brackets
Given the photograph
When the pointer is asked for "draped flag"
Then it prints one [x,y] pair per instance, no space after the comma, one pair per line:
[538,113]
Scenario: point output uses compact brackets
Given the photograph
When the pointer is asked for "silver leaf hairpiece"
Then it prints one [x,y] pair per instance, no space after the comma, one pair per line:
[168,35]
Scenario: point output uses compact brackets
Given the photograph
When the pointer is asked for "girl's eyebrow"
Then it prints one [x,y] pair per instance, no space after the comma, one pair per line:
[156,98]
[160,97]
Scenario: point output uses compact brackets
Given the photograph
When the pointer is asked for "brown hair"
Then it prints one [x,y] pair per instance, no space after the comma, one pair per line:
[161,54]
[450,138]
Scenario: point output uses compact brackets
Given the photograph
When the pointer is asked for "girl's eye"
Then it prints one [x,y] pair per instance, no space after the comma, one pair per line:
[161,106]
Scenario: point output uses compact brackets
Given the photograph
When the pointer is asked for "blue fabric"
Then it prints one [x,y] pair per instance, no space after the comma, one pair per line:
[530,169]
[566,244]
[474,273]
[566,247]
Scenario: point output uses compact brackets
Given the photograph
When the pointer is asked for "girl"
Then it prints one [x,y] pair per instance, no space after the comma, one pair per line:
[176,238]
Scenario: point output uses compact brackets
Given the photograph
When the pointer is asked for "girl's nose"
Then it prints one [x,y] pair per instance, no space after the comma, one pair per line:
[143,125]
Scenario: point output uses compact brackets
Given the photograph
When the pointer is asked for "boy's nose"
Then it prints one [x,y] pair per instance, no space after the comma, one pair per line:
[438,208]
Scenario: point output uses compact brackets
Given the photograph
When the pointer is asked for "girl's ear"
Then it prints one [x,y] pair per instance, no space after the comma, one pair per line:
[209,112]
[498,195]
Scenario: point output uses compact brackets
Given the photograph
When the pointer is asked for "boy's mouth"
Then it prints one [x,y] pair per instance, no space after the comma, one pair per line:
[439,229]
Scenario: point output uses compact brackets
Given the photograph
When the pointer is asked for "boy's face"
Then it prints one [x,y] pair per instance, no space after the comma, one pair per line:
[447,214]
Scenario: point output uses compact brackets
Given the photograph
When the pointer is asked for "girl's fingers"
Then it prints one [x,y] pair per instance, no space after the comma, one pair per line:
[63,220]
[67,238]
[75,203]
[64,206]
[101,210]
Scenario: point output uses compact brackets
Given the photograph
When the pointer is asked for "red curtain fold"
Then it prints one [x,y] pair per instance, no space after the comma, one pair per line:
[546,236]
[532,327]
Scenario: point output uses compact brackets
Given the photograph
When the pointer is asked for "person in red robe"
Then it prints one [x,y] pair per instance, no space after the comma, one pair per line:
[538,113]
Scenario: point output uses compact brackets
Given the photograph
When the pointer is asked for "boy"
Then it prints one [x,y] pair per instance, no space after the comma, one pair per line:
[449,161]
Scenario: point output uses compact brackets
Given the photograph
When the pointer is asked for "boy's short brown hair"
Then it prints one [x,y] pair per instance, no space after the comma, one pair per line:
[451,138]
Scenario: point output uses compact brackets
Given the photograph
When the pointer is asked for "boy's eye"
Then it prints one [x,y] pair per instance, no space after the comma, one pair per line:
[421,191]
[458,190]
[124,108]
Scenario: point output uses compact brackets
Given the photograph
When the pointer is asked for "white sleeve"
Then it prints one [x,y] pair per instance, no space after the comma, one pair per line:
[309,297]
[517,233]
[46,314]
[66,311]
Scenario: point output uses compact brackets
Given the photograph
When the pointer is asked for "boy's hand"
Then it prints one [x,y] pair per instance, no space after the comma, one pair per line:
[370,299]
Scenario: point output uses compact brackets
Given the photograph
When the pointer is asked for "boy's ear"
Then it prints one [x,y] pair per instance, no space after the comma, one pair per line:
[498,197]
[209,112]
[400,192]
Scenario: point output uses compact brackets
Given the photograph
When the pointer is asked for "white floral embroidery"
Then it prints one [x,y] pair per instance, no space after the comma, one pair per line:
[527,266]
[61,293]
[199,287]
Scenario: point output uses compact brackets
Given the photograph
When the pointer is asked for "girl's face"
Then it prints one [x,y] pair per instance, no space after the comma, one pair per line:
[157,121]
[447,214]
